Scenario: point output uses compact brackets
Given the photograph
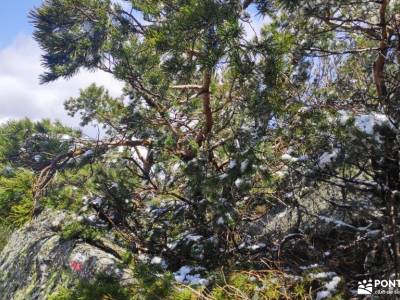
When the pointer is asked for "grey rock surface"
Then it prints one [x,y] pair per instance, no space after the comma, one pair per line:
[36,262]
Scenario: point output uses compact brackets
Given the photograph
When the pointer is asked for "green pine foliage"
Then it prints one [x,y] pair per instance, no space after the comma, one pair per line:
[16,203]
[25,148]
[77,230]
[103,288]
[217,131]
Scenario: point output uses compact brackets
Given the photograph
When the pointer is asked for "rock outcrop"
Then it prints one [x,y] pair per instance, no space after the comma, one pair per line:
[36,262]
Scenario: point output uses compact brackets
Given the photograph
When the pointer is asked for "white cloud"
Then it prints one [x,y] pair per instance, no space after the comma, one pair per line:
[21,95]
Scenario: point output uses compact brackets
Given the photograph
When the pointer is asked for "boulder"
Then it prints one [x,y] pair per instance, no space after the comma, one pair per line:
[36,262]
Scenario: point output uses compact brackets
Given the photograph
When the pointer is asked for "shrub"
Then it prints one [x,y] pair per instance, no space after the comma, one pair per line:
[103,288]
[77,230]
[5,232]
[16,202]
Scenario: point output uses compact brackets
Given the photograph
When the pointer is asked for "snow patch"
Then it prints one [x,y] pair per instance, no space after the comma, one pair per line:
[156,260]
[330,287]
[281,214]
[322,275]
[327,158]
[338,223]
[313,266]
[88,153]
[367,123]
[289,158]
[183,276]
[223,176]
[244,165]
[92,218]
[65,137]
[232,164]
[143,257]
[193,237]
[97,201]
[257,246]
[304,109]
[238,182]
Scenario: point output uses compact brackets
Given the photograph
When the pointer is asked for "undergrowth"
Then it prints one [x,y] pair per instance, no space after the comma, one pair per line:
[78,230]
[16,201]
[151,285]
[5,232]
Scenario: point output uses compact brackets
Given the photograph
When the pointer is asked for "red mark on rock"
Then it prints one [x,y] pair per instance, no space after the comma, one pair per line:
[76,266]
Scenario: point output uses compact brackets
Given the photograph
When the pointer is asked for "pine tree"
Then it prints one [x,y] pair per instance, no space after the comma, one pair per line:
[199,98]
[215,128]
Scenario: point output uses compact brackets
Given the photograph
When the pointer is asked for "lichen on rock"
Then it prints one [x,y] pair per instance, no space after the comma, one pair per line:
[36,262]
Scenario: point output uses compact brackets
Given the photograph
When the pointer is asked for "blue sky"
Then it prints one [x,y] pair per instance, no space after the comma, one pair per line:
[14,19]
[21,95]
